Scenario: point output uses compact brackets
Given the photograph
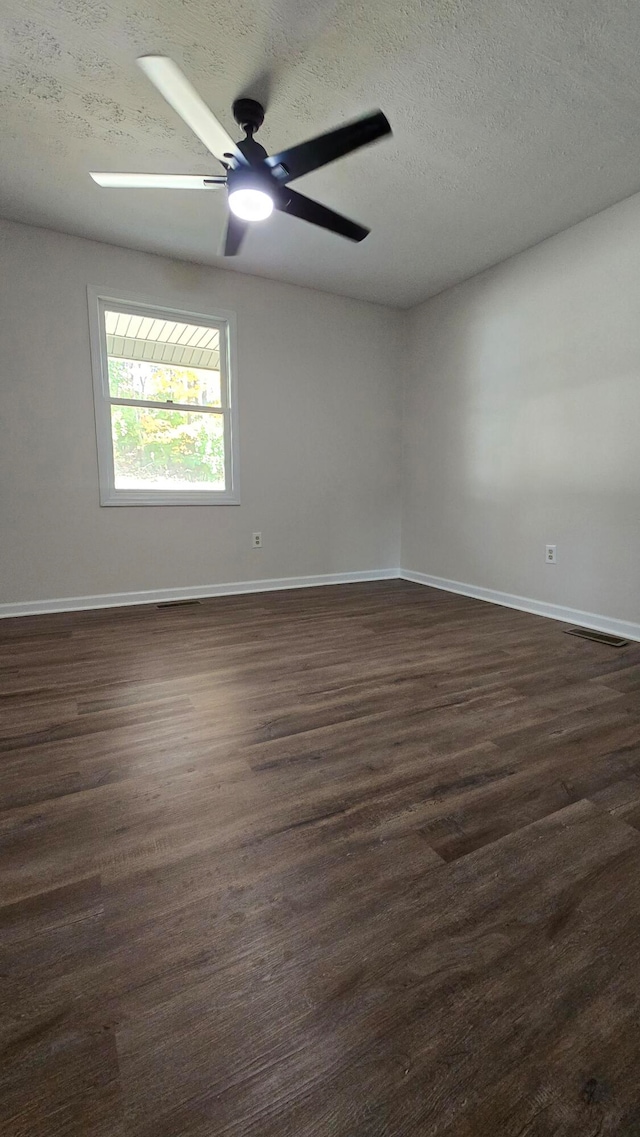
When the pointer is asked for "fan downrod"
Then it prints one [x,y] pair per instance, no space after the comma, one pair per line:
[249,114]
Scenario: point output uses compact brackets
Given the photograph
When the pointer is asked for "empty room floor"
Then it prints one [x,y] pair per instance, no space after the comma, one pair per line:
[360,861]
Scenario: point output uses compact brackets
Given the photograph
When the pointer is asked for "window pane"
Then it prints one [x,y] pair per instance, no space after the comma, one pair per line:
[161,340]
[140,379]
[167,450]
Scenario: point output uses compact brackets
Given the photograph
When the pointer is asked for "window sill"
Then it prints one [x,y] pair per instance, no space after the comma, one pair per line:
[160,497]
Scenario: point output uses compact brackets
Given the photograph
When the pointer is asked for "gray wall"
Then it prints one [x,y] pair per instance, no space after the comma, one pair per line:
[522,423]
[521,427]
[320,394]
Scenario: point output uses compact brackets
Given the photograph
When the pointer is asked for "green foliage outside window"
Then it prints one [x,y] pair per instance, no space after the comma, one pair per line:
[152,443]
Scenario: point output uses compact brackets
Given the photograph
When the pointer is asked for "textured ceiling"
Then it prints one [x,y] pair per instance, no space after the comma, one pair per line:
[512,120]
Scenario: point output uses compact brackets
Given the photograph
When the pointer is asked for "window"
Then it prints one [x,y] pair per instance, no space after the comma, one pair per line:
[165,405]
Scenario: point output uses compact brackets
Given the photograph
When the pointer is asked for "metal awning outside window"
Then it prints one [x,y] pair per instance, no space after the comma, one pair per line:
[162,341]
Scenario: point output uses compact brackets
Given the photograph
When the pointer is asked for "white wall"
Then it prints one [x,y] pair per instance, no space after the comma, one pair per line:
[521,427]
[320,395]
[522,423]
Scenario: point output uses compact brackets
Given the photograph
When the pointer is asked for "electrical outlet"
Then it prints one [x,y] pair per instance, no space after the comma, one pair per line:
[256,541]
[550,555]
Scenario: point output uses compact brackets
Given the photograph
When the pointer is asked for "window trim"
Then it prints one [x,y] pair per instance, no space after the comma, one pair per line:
[100,299]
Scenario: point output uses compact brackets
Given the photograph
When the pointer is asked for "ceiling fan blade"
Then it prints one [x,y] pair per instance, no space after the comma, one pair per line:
[294,203]
[168,79]
[299,160]
[158,181]
[234,235]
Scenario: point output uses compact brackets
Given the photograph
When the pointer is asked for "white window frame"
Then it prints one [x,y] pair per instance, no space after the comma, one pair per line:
[101,299]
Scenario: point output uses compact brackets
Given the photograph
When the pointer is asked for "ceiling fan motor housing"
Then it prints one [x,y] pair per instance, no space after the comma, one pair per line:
[250,177]
[252,150]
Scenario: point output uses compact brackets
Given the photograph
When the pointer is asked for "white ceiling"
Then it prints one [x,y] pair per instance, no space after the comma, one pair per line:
[512,120]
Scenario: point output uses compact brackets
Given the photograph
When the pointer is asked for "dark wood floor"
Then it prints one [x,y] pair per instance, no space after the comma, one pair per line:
[346,862]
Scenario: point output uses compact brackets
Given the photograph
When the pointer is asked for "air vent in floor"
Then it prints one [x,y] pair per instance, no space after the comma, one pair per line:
[177,603]
[597,637]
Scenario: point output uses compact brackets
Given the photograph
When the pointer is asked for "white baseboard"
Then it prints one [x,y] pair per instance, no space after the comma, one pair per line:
[195,592]
[624,628]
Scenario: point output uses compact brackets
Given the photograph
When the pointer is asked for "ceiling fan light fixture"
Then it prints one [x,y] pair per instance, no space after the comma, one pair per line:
[250,204]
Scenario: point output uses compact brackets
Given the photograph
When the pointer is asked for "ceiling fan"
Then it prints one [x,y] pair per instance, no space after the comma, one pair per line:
[256,182]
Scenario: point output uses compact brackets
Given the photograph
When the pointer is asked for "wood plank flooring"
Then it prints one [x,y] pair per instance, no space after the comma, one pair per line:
[360,861]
